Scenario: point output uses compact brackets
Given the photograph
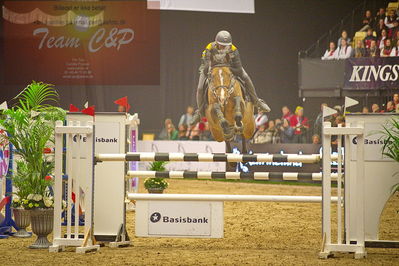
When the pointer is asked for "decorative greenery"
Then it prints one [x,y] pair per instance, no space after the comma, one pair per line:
[30,129]
[156,182]
[391,143]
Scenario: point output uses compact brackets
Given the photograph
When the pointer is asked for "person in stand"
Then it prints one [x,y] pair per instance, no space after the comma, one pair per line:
[272,135]
[373,51]
[318,123]
[382,38]
[380,27]
[345,51]
[369,37]
[223,52]
[260,119]
[330,53]
[391,22]
[172,133]
[359,50]
[395,50]
[365,110]
[286,113]
[395,100]
[375,108]
[183,132]
[368,20]
[380,15]
[386,52]
[390,107]
[163,135]
[316,139]
[300,125]
[344,36]
[260,135]
[186,118]
[286,131]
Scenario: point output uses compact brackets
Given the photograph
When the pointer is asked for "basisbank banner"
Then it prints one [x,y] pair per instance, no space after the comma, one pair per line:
[372,73]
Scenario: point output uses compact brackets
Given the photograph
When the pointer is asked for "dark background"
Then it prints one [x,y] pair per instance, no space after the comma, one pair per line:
[268,41]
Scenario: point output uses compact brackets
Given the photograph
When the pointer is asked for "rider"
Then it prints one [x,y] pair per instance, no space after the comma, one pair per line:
[223,52]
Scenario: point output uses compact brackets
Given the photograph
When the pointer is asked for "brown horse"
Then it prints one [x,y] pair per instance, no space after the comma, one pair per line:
[228,113]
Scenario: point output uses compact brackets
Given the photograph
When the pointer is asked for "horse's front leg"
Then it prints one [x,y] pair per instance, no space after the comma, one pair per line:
[227,132]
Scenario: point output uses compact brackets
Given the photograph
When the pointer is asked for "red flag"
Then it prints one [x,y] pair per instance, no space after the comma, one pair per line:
[124,102]
[73,108]
[89,110]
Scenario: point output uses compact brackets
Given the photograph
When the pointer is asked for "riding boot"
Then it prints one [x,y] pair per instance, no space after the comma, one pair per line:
[200,112]
[259,103]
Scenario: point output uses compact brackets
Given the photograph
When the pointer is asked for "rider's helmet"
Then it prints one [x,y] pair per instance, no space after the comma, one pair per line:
[223,37]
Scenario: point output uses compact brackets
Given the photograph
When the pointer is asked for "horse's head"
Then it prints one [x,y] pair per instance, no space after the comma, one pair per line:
[221,83]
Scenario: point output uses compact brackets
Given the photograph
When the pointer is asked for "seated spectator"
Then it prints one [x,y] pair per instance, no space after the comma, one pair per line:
[395,37]
[183,132]
[379,27]
[272,135]
[340,120]
[286,113]
[344,51]
[390,107]
[193,132]
[395,50]
[386,51]
[381,39]
[359,50]
[186,118]
[368,20]
[365,110]
[380,15]
[330,52]
[391,22]
[260,135]
[316,139]
[260,119]
[344,36]
[286,131]
[205,132]
[373,51]
[375,108]
[163,135]
[369,37]
[396,100]
[300,125]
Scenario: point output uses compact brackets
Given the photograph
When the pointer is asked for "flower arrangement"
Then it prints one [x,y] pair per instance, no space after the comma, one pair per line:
[34,201]
[156,182]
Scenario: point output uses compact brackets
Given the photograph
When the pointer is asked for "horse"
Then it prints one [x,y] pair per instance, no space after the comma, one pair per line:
[228,113]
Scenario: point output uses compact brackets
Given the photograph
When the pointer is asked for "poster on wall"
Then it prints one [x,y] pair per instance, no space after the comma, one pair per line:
[81,43]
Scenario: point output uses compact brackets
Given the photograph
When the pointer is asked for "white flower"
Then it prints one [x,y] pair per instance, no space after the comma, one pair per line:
[30,196]
[37,197]
[48,203]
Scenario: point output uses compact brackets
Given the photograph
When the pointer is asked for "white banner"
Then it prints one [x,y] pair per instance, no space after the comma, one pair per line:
[184,147]
[225,6]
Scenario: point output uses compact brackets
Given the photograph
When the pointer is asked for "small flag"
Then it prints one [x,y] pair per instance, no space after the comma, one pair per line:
[327,111]
[89,110]
[123,102]
[73,108]
[86,105]
[3,106]
[350,102]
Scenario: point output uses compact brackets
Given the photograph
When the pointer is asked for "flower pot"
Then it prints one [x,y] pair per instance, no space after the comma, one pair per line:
[22,220]
[155,190]
[42,226]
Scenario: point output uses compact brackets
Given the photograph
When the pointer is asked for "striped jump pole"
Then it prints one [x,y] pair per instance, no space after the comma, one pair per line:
[208,157]
[228,175]
[213,197]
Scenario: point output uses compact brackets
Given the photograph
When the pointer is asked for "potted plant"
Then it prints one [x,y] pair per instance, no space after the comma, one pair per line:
[156,184]
[30,129]
[391,143]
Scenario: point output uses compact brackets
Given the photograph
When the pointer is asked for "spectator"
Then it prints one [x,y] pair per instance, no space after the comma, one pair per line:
[395,50]
[300,125]
[368,20]
[172,133]
[163,135]
[386,52]
[206,133]
[193,132]
[286,132]
[318,123]
[344,51]
[340,120]
[373,51]
[272,135]
[369,37]
[121,109]
[260,135]
[379,27]
[375,108]
[183,132]
[286,113]
[391,22]
[390,108]
[359,50]
[186,118]
[260,119]
[395,37]
[330,52]
[365,110]
[396,100]
[380,15]
[382,38]
[344,36]
[315,139]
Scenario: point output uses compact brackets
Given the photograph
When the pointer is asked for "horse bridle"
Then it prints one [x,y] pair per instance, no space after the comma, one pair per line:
[229,88]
